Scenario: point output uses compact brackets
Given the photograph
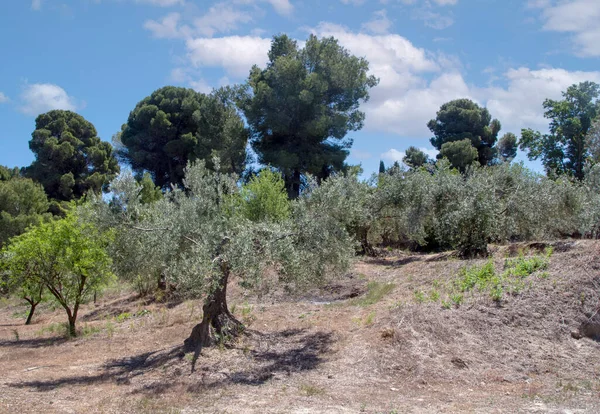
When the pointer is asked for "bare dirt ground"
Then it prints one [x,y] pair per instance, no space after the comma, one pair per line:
[341,350]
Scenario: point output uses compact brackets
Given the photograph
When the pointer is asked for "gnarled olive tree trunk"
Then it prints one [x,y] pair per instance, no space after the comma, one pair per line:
[217,321]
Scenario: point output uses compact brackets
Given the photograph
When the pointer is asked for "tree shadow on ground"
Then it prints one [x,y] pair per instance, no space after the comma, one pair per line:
[285,352]
[117,370]
[34,343]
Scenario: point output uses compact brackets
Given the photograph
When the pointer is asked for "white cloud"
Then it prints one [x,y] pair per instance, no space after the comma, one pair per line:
[283,7]
[408,96]
[438,2]
[168,27]
[354,2]
[432,19]
[36,5]
[38,98]
[235,54]
[379,24]
[579,17]
[519,105]
[221,18]
[392,155]
[3,98]
[161,3]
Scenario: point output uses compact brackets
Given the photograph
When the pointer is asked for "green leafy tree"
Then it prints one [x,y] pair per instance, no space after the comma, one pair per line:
[149,192]
[68,257]
[303,104]
[381,167]
[564,149]
[175,125]
[8,173]
[461,154]
[23,203]
[415,158]
[23,284]
[463,119]
[507,147]
[264,198]
[70,159]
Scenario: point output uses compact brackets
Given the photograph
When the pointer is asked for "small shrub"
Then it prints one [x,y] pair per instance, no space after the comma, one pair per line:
[123,317]
[457,298]
[370,319]
[419,296]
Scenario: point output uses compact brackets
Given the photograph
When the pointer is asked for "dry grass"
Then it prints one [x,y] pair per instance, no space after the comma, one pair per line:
[380,351]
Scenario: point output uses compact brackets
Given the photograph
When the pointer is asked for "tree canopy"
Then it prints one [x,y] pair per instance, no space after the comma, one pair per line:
[507,147]
[23,203]
[464,119]
[175,125]
[303,104]
[415,158]
[65,256]
[70,159]
[564,149]
[461,154]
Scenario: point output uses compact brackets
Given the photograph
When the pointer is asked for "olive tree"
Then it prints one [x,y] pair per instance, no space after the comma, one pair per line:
[198,240]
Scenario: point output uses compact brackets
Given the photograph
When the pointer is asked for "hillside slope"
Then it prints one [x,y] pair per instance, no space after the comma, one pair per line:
[402,333]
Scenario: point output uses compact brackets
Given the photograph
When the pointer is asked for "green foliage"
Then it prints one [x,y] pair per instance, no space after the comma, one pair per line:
[463,119]
[149,192]
[264,198]
[23,203]
[507,147]
[564,149]
[70,159]
[190,236]
[175,125]
[415,158]
[67,256]
[381,167]
[302,105]
[475,276]
[485,279]
[348,201]
[507,202]
[375,292]
[461,154]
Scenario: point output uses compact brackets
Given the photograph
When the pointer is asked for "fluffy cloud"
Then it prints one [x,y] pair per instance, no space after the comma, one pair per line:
[3,98]
[161,3]
[38,98]
[519,105]
[379,24]
[235,54]
[221,18]
[392,155]
[579,17]
[283,7]
[167,28]
[432,19]
[414,82]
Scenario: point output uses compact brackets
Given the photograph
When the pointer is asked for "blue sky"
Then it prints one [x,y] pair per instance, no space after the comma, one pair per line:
[100,57]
